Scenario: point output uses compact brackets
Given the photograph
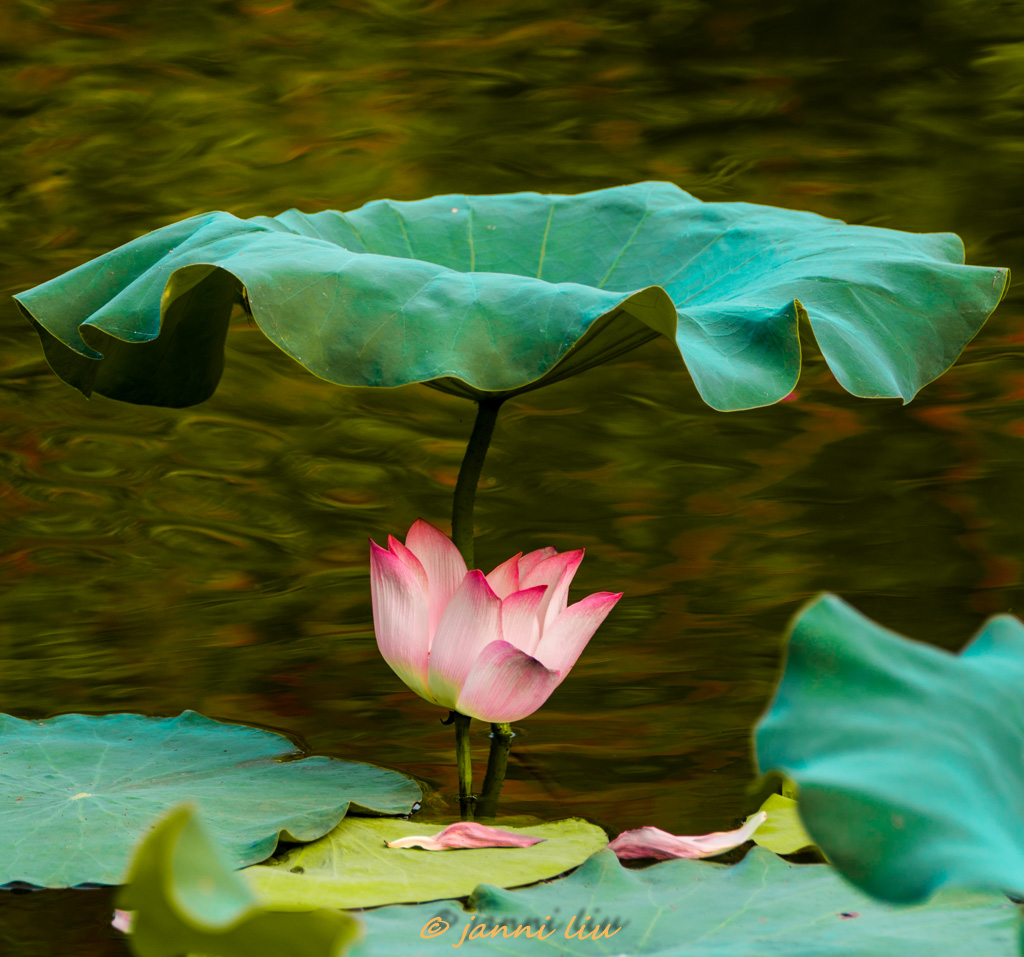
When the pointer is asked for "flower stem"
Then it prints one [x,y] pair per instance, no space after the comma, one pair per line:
[465,766]
[469,475]
[462,536]
[497,762]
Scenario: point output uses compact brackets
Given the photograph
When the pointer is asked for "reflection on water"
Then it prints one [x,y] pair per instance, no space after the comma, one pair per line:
[215,558]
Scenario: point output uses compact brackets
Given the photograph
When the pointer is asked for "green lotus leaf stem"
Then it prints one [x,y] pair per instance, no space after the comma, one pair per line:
[465,764]
[462,536]
[497,762]
[469,477]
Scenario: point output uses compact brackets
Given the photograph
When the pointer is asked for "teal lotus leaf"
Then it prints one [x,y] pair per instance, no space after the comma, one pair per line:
[908,758]
[494,295]
[77,792]
[758,907]
[185,898]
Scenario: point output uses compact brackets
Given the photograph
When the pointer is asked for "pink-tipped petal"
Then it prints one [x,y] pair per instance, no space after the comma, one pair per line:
[471,621]
[557,573]
[653,842]
[532,559]
[400,618]
[562,642]
[548,570]
[410,561]
[123,920]
[465,834]
[519,624]
[505,684]
[443,564]
[505,578]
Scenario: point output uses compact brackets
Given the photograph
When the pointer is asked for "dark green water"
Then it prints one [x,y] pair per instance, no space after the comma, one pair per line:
[215,558]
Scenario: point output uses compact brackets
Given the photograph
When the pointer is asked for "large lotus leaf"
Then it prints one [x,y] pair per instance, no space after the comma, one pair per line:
[185,897]
[908,758]
[761,906]
[490,295]
[77,792]
[351,867]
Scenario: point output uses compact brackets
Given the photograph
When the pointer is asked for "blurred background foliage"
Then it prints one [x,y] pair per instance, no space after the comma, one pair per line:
[891,114]
[215,557]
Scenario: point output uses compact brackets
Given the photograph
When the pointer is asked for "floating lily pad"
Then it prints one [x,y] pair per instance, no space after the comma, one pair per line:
[351,867]
[761,906]
[908,758]
[77,792]
[492,295]
[184,897]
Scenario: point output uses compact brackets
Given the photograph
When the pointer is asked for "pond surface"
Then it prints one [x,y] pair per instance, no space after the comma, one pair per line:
[215,557]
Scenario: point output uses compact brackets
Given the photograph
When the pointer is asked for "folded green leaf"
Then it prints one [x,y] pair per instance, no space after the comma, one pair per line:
[352,867]
[761,906]
[908,758]
[783,832]
[77,792]
[493,295]
[185,898]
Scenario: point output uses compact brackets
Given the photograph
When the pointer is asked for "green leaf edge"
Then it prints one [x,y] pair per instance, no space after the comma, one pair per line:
[186,898]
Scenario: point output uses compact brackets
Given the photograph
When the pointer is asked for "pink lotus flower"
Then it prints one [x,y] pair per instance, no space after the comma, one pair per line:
[492,646]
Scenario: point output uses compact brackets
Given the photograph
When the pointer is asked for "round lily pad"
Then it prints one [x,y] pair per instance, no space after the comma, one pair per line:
[77,792]
[352,867]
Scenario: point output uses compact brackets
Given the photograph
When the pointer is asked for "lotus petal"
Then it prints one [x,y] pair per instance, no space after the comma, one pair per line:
[464,834]
[506,684]
[123,920]
[519,624]
[563,642]
[443,564]
[531,559]
[557,573]
[505,578]
[645,842]
[400,618]
[471,621]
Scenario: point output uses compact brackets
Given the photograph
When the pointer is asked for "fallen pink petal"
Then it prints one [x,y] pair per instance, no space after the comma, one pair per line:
[123,920]
[466,834]
[652,842]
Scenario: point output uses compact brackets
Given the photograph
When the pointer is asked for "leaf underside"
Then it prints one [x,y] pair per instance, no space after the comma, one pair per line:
[908,758]
[494,295]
